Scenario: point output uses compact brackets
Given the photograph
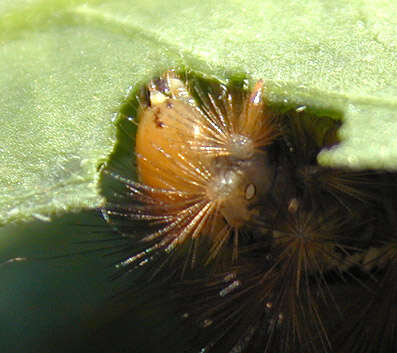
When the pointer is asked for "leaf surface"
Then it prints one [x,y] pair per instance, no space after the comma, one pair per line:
[66,66]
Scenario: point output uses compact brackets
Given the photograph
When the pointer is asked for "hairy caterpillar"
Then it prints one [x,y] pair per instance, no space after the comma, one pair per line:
[231,193]
[283,293]
[203,164]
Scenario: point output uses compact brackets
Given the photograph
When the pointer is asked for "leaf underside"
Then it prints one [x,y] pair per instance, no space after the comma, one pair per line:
[66,66]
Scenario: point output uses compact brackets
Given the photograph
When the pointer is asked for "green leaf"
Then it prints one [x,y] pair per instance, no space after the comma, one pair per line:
[66,65]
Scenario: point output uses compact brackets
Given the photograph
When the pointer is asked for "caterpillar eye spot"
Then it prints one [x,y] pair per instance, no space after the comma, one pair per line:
[250,192]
